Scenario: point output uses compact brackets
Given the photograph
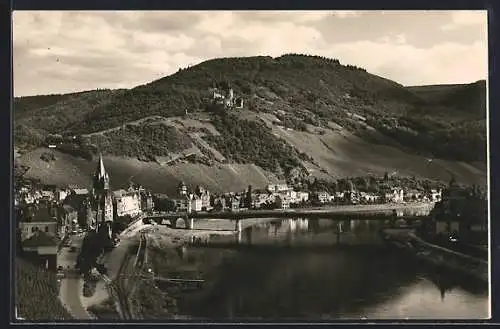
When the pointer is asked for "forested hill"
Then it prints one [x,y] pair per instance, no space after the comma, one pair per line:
[305,93]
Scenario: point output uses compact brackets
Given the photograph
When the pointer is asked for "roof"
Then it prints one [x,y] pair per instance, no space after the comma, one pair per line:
[68,208]
[37,214]
[80,191]
[120,192]
[41,239]
[160,196]
[75,200]
[181,198]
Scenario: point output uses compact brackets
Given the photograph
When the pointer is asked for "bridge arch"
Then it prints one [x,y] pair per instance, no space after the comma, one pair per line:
[188,222]
[174,222]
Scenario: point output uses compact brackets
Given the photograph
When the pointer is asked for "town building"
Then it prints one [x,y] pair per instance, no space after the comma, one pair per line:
[322,197]
[232,203]
[413,195]
[278,188]
[147,203]
[61,194]
[47,195]
[127,202]
[196,202]
[302,196]
[218,202]
[260,199]
[182,203]
[226,97]
[78,191]
[369,197]
[394,195]
[339,195]
[26,197]
[436,195]
[352,197]
[80,200]
[41,249]
[282,202]
[182,189]
[461,212]
[32,219]
[67,220]
[204,196]
[238,103]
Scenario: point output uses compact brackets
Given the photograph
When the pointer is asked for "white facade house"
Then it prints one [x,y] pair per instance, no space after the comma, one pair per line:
[282,202]
[196,203]
[278,188]
[61,195]
[369,197]
[396,195]
[436,195]
[183,204]
[127,203]
[302,196]
[323,197]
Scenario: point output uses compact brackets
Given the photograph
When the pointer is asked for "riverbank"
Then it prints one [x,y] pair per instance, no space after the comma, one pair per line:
[166,259]
[269,285]
[407,240]
[169,256]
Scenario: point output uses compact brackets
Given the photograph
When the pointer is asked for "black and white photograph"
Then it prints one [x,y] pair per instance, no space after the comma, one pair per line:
[212,166]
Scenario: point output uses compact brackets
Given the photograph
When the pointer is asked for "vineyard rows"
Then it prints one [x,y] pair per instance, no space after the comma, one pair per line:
[37,293]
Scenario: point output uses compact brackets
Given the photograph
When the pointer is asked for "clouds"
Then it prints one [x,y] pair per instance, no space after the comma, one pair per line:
[57,52]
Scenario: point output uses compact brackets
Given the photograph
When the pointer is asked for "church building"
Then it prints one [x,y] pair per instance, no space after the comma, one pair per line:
[102,197]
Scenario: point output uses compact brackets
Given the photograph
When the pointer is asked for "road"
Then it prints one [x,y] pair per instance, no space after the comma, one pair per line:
[70,293]
[341,211]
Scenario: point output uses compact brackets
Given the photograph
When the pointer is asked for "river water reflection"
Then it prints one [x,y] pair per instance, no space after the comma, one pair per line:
[325,270]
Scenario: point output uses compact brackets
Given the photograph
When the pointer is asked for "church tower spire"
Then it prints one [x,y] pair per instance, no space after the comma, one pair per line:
[101,177]
[102,195]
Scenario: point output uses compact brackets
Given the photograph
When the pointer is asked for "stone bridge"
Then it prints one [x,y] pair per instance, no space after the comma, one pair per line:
[364,212]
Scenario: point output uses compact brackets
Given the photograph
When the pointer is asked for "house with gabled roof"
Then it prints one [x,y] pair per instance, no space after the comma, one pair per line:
[37,218]
[41,248]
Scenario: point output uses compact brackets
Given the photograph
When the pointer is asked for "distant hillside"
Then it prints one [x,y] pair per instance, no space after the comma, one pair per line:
[468,99]
[53,114]
[288,100]
[26,105]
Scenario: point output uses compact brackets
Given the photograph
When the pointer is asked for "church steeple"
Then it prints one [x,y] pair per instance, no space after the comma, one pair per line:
[103,199]
[101,177]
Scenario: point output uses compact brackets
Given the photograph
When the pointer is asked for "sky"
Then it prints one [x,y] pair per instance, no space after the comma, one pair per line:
[67,51]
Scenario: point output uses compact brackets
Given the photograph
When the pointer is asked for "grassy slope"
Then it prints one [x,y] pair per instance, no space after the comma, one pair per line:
[67,169]
[342,154]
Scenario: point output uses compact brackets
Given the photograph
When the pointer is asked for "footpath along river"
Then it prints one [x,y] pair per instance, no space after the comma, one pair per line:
[300,269]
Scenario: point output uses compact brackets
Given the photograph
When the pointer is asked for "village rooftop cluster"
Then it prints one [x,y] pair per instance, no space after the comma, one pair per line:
[47,215]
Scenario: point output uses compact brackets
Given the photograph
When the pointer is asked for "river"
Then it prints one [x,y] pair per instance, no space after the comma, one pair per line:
[324,270]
